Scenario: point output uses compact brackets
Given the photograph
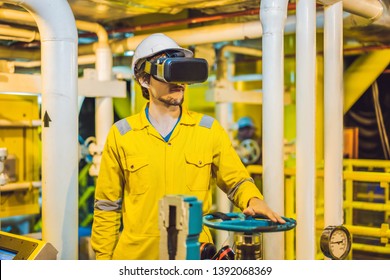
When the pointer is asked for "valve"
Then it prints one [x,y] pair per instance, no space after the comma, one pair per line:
[249,229]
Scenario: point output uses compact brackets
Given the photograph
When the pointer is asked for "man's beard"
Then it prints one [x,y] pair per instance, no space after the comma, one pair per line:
[169,101]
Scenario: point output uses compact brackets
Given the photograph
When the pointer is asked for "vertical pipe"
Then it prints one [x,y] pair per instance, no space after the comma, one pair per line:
[104,110]
[273,14]
[58,32]
[333,114]
[290,206]
[224,114]
[305,144]
[349,197]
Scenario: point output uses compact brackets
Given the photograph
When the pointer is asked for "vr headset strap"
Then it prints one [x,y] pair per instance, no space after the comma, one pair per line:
[154,69]
[151,68]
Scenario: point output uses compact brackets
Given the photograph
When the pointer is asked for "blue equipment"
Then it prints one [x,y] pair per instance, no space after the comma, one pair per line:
[180,223]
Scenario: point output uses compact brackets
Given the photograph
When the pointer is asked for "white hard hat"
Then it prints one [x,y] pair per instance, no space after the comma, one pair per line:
[154,44]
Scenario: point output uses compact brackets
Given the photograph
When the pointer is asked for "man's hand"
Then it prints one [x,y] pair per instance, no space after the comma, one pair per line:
[258,206]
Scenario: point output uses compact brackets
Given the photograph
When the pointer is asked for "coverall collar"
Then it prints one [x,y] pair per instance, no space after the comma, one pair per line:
[186,118]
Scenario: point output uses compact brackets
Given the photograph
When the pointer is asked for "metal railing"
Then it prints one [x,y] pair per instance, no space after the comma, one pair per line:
[360,178]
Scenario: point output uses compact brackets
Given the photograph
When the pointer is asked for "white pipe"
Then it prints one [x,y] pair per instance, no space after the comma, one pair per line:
[104,114]
[58,32]
[333,114]
[199,35]
[224,114]
[370,9]
[241,50]
[209,34]
[104,106]
[95,28]
[13,15]
[81,60]
[305,142]
[104,109]
[273,14]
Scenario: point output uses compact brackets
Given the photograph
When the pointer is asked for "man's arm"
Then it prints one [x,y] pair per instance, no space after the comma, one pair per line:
[234,179]
[108,201]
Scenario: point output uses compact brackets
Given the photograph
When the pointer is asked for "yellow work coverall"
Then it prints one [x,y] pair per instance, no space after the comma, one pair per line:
[139,167]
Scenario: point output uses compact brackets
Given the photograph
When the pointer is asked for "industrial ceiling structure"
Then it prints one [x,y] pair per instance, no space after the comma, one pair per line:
[125,19]
[108,29]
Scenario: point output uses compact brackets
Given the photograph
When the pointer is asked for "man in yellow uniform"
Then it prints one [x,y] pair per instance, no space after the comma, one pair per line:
[165,149]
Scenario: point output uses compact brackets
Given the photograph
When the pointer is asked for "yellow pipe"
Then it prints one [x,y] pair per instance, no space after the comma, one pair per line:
[7,52]
[362,73]
[367,163]
[9,14]
[366,176]
[348,175]
[371,248]
[289,210]
[382,232]
[19,34]
[348,199]
[387,201]
[367,206]
[370,196]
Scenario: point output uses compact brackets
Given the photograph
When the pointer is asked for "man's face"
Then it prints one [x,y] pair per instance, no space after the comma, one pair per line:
[166,93]
[246,132]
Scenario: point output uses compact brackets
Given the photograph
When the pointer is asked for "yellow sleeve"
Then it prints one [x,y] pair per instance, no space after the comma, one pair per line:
[105,233]
[108,201]
[232,176]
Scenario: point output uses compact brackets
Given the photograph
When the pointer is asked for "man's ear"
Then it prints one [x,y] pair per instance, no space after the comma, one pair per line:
[144,82]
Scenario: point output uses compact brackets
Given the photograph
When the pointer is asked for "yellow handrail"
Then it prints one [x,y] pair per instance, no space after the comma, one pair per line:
[375,171]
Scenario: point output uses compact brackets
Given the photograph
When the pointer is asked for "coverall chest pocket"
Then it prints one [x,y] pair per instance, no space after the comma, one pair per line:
[198,171]
[138,174]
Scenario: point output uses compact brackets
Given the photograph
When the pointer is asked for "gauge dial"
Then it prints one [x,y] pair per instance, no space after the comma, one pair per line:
[336,242]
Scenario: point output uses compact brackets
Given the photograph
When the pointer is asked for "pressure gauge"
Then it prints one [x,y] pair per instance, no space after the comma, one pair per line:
[335,242]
